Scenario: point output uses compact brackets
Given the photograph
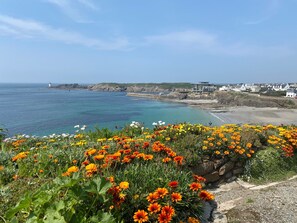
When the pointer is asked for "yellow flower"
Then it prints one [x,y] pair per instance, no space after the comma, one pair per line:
[124,185]
[91,168]
[72,169]
[21,155]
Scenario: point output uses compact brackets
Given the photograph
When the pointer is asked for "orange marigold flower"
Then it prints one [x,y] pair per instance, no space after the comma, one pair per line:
[152,197]
[126,159]
[90,152]
[154,208]
[74,161]
[110,179]
[205,195]
[1,168]
[41,171]
[86,162]
[195,186]
[178,160]
[127,151]
[226,152]
[249,145]
[168,210]
[21,155]
[166,160]
[164,218]
[199,178]
[173,184]
[140,216]
[66,174]
[148,157]
[98,157]
[161,192]
[193,220]
[72,169]
[124,185]
[145,145]
[91,168]
[106,147]
[176,197]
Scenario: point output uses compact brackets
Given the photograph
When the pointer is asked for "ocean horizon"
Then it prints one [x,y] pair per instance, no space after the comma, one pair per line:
[35,109]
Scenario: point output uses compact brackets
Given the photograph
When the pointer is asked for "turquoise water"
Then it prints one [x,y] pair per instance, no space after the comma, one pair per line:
[35,109]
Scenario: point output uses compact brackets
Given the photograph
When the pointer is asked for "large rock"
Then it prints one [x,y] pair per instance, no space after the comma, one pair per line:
[212,177]
[220,162]
[226,168]
[238,171]
[203,168]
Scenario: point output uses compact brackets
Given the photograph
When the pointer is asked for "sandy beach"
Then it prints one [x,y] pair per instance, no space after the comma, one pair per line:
[235,115]
[239,115]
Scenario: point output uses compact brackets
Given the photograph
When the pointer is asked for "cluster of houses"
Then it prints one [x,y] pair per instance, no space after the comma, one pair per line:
[288,89]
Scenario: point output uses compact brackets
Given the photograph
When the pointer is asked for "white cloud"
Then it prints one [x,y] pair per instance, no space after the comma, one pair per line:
[271,9]
[32,29]
[73,8]
[184,39]
[89,4]
[204,42]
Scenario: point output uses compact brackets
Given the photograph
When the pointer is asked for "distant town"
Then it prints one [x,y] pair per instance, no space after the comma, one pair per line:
[269,89]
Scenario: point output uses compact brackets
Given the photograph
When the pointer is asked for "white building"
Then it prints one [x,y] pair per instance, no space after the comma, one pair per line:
[281,87]
[291,93]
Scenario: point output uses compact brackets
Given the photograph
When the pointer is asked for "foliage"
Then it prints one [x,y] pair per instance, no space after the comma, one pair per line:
[72,199]
[112,174]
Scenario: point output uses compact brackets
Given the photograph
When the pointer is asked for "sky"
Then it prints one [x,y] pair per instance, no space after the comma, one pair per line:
[93,41]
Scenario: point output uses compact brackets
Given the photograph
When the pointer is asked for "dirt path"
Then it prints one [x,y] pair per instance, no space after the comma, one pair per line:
[239,202]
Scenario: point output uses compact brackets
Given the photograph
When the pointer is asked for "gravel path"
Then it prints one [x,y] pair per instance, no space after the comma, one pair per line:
[240,202]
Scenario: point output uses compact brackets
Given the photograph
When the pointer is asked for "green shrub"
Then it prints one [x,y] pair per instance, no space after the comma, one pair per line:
[269,165]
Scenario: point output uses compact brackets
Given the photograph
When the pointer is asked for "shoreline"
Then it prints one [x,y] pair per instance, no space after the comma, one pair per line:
[233,115]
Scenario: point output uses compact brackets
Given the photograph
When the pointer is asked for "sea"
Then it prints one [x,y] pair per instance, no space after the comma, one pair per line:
[35,109]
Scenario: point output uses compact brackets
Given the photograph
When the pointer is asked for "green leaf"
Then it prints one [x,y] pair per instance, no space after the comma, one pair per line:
[60,205]
[53,216]
[14,220]
[23,204]
[102,217]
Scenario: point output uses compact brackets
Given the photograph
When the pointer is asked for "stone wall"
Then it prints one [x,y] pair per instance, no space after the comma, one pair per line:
[218,171]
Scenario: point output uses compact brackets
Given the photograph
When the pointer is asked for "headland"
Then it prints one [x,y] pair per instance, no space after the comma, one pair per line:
[229,106]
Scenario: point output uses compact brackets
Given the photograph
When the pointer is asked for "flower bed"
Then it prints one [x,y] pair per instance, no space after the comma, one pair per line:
[130,175]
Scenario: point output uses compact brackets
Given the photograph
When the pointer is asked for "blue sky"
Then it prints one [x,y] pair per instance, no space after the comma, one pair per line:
[91,41]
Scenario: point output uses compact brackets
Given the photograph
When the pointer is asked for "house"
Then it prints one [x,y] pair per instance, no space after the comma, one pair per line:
[281,87]
[291,93]
[225,88]
[204,87]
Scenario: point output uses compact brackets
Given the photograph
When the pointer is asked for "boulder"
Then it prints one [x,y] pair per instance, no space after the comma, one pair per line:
[212,177]
[203,168]
[226,168]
